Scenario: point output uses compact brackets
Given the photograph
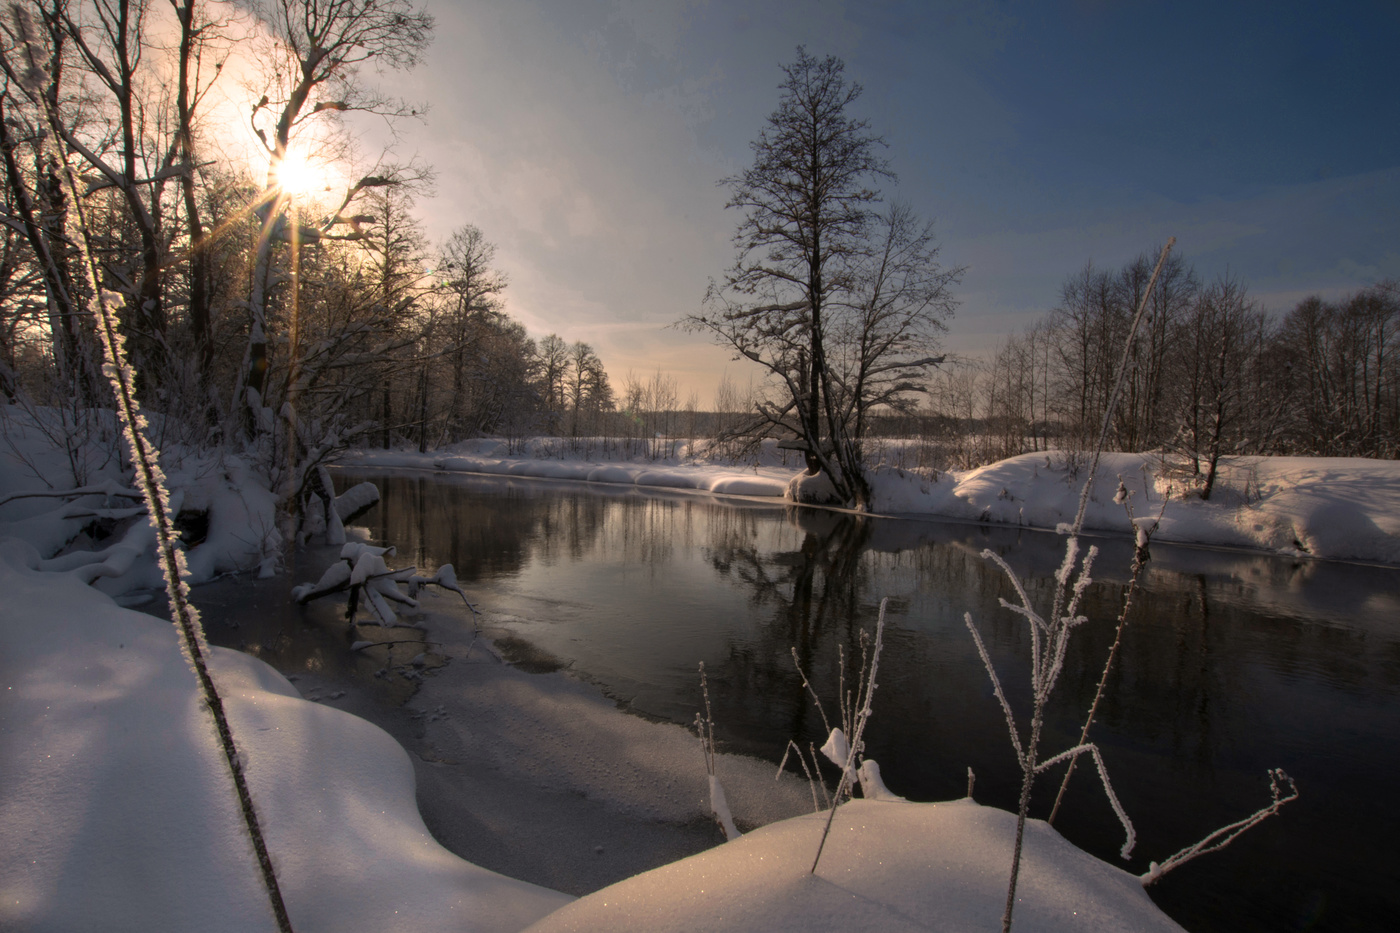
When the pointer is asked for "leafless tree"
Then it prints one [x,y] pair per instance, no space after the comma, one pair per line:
[313,74]
[808,254]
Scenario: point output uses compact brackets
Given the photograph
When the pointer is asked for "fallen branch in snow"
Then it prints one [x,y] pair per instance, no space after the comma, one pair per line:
[110,489]
[363,572]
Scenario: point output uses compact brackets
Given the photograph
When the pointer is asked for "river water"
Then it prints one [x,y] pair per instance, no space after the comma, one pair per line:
[1232,663]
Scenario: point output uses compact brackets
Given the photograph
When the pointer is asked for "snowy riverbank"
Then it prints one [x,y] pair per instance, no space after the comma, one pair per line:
[118,813]
[1319,507]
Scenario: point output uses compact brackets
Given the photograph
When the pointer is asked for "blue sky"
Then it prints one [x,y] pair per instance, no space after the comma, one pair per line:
[585,137]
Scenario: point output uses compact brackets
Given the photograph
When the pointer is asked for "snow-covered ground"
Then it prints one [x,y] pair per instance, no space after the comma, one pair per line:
[1321,507]
[117,811]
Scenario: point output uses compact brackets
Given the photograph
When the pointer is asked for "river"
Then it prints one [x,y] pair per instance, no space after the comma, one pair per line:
[1232,663]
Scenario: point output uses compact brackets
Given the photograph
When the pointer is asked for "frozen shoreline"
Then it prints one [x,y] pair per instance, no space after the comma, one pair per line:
[1299,507]
[532,776]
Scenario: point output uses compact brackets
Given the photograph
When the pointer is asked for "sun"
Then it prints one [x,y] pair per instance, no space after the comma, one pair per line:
[298,176]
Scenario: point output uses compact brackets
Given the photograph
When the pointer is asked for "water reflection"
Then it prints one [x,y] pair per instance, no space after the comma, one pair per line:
[1232,663]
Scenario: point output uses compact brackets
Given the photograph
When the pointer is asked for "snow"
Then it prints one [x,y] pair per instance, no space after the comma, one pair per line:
[117,810]
[551,460]
[887,866]
[1320,507]
[118,813]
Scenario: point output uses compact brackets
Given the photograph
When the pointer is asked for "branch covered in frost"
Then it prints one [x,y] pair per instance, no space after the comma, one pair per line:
[996,689]
[1073,754]
[1225,835]
[857,741]
[705,728]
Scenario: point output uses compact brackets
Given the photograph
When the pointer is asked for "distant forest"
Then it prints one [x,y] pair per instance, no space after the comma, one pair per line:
[288,300]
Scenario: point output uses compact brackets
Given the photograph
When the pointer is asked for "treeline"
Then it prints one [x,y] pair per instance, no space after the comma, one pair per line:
[1210,372]
[283,300]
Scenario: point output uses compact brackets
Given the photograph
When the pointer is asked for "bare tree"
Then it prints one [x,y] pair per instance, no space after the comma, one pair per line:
[553,355]
[801,249]
[474,290]
[1343,365]
[33,61]
[589,392]
[314,74]
[1220,344]
[890,337]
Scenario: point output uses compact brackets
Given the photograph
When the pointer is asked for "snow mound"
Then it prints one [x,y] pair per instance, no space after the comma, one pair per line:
[486,459]
[887,866]
[119,813]
[1336,508]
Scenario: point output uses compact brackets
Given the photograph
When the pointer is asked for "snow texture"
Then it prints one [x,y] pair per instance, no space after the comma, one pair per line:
[888,866]
[118,811]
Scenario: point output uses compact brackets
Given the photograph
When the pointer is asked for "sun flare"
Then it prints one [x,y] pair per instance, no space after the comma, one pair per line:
[298,176]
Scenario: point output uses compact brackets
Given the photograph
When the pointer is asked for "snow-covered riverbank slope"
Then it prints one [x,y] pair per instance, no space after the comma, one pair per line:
[1332,508]
[118,814]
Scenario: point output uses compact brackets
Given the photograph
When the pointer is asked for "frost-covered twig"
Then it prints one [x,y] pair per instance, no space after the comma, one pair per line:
[1141,555]
[812,782]
[1049,643]
[865,695]
[705,728]
[1225,835]
[998,692]
[826,724]
[151,481]
[1073,755]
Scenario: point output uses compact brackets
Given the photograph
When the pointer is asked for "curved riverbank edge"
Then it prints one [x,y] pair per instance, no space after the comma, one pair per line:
[1300,507]
[116,791]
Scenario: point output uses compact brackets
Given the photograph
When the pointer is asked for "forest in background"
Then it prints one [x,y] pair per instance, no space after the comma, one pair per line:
[282,298]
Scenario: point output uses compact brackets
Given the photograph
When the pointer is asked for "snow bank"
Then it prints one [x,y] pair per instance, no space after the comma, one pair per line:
[118,812]
[1334,508]
[888,866]
[731,481]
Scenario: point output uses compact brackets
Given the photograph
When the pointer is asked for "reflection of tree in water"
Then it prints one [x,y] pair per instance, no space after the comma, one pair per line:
[812,599]
[482,527]
[487,527]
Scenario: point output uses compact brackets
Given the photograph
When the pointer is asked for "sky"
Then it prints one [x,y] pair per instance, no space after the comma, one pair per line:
[586,138]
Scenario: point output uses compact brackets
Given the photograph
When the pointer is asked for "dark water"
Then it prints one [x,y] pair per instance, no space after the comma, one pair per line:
[1232,664]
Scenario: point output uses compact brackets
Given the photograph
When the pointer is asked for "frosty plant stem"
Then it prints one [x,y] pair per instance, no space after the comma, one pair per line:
[1141,555]
[151,481]
[1225,835]
[1050,637]
[719,806]
[1049,642]
[865,695]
